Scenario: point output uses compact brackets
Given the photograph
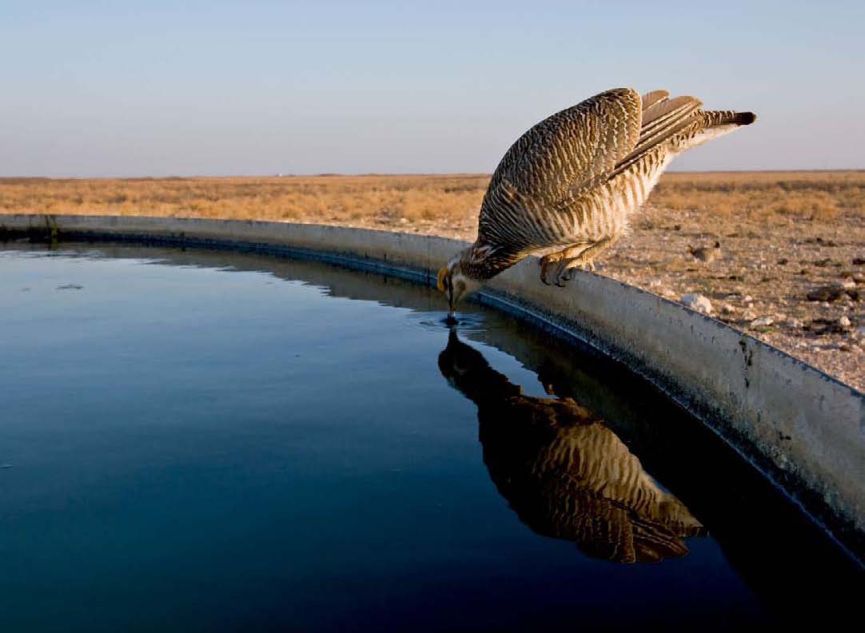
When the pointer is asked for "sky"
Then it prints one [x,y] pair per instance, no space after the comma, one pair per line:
[116,89]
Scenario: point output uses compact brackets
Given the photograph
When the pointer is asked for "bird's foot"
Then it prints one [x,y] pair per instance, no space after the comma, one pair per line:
[556,267]
[549,264]
[577,264]
[563,274]
[568,268]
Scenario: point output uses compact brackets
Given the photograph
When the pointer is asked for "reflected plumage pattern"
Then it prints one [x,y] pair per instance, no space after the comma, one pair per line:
[564,473]
[566,188]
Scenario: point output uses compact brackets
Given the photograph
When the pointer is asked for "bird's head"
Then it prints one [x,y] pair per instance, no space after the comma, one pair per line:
[454,283]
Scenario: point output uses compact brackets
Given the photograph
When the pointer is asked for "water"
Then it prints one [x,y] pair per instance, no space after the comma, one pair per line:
[199,441]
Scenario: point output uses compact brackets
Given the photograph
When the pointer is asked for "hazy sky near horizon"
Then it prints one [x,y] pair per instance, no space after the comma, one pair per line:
[263,87]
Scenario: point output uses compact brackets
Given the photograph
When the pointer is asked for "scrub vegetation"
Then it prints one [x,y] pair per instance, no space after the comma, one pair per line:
[426,202]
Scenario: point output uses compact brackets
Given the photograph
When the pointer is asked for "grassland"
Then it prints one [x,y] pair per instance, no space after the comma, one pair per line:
[423,202]
[782,235]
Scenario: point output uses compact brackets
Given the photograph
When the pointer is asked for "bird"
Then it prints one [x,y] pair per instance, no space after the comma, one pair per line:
[564,472]
[565,189]
[706,254]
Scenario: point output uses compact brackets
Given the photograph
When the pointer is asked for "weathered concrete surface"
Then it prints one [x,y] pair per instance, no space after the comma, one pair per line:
[805,430]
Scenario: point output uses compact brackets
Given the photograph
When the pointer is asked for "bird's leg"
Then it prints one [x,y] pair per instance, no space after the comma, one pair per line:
[553,262]
[585,260]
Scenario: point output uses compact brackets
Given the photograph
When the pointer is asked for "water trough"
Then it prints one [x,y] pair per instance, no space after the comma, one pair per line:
[801,428]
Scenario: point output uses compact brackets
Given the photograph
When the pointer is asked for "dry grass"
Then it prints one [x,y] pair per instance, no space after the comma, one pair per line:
[810,195]
[435,204]
[360,200]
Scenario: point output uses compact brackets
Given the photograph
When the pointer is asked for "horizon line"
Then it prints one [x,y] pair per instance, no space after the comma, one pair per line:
[406,174]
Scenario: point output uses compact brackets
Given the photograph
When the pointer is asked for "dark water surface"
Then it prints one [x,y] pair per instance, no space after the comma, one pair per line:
[199,441]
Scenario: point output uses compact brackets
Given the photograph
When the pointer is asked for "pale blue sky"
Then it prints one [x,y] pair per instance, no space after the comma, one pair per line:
[213,88]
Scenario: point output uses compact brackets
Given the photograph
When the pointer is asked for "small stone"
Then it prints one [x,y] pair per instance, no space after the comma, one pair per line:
[748,299]
[697,302]
[823,326]
[726,308]
[848,284]
[763,321]
[795,323]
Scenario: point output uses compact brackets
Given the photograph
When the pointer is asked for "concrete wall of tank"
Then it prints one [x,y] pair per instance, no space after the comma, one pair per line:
[802,428]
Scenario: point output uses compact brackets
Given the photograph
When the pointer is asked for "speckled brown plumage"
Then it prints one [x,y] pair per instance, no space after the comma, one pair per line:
[566,188]
[564,472]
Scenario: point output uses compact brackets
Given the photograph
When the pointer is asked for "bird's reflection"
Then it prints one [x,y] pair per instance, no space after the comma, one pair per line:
[564,473]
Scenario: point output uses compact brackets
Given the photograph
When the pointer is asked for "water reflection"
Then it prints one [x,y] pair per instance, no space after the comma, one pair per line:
[564,472]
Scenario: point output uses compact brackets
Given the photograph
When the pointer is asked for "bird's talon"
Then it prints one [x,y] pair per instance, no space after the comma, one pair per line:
[562,279]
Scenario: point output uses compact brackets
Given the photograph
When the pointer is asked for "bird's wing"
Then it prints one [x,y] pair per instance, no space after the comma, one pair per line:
[562,156]
[662,119]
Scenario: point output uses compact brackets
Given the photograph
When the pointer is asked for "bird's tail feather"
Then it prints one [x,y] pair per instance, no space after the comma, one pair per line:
[664,119]
[715,118]
[718,123]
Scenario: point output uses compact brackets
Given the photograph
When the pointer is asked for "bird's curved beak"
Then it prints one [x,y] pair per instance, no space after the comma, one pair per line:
[448,289]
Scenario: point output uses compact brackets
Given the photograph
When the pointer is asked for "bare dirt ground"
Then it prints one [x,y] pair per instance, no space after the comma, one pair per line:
[789,269]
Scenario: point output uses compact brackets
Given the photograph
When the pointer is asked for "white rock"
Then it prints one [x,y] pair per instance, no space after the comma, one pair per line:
[848,284]
[747,299]
[844,321]
[762,321]
[697,302]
